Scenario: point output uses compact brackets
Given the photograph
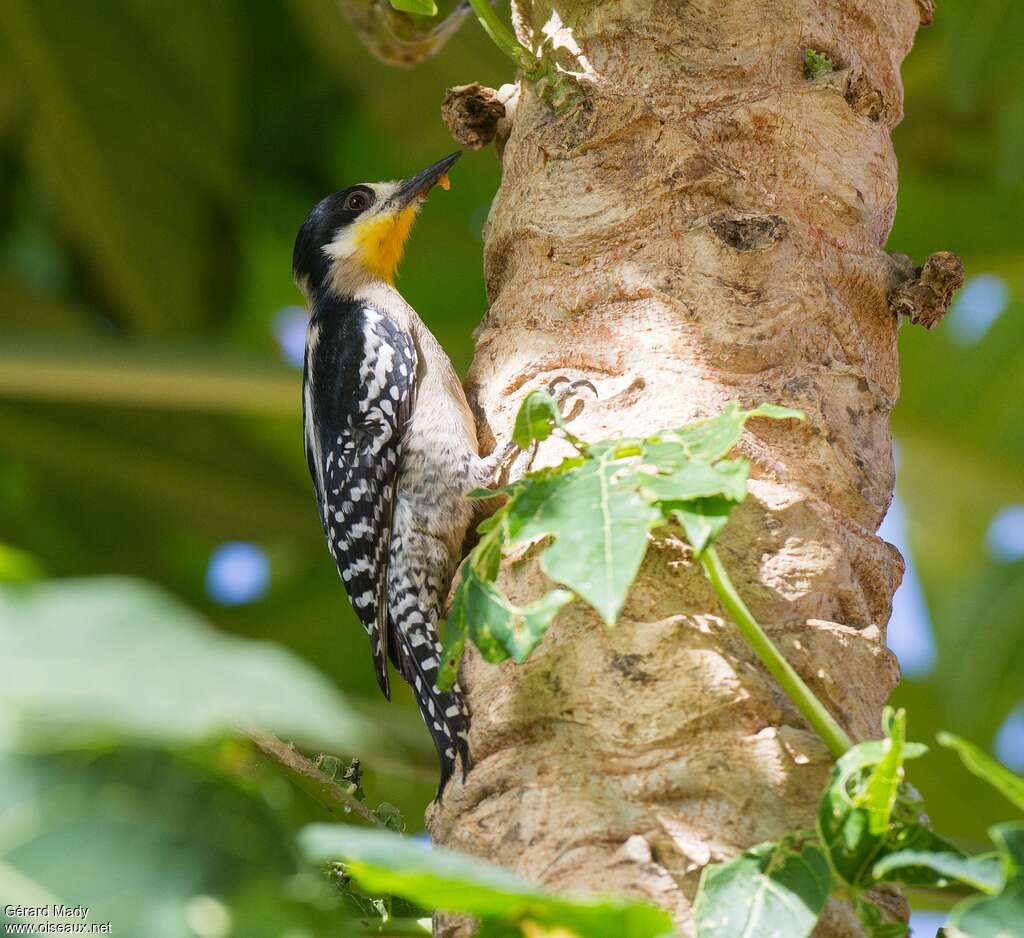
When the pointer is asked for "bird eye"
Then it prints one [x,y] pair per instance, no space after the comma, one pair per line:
[357,201]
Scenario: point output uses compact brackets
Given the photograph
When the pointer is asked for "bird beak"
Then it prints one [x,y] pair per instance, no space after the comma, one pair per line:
[417,187]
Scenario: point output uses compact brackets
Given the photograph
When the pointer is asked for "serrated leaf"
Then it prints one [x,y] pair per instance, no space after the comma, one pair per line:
[538,415]
[91,659]
[984,873]
[990,916]
[715,437]
[437,878]
[698,479]
[599,528]
[765,892]
[597,509]
[978,762]
[422,7]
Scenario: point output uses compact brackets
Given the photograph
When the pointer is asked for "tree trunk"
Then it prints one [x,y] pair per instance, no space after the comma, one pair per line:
[707,225]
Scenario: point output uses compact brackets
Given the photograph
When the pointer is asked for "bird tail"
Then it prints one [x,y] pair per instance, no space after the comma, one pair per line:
[444,712]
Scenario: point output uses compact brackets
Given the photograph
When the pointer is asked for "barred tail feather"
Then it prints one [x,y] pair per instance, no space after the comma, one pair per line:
[444,712]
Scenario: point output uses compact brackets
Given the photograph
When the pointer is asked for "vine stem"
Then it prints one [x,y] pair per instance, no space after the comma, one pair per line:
[812,709]
[503,37]
[310,779]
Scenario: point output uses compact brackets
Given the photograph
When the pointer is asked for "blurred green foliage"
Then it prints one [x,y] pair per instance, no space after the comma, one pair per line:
[156,160]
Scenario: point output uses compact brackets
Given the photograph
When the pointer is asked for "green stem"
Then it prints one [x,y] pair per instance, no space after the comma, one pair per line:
[311,780]
[812,709]
[503,37]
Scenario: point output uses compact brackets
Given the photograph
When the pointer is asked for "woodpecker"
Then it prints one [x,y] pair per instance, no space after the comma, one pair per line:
[390,440]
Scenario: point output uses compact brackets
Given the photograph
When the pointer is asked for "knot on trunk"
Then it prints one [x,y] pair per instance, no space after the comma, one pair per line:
[748,231]
[471,113]
[923,294]
[864,98]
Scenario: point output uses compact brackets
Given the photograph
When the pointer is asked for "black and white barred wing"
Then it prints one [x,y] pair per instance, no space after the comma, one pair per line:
[361,457]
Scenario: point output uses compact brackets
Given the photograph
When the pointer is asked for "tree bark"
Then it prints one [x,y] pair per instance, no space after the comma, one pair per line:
[707,224]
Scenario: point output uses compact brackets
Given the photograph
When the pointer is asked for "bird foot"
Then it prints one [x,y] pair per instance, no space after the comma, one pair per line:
[511,463]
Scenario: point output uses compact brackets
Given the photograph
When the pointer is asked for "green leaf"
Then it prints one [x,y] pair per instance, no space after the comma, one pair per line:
[1009,839]
[390,817]
[714,437]
[496,626]
[528,625]
[858,791]
[485,612]
[777,412]
[598,509]
[423,7]
[816,64]
[703,520]
[454,643]
[874,921]
[990,916]
[538,415]
[984,872]
[765,892]
[697,479]
[436,878]
[93,659]
[916,837]
[885,780]
[599,528]
[692,488]
[168,829]
[975,760]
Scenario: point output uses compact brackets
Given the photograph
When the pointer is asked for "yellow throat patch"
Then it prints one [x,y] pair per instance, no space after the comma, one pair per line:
[380,241]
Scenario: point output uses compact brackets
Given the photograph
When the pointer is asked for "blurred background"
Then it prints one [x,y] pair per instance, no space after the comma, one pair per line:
[156,160]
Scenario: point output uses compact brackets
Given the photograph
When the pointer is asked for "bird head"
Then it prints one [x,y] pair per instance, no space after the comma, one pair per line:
[357,235]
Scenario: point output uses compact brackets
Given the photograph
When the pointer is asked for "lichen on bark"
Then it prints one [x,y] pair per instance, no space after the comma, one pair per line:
[705,225]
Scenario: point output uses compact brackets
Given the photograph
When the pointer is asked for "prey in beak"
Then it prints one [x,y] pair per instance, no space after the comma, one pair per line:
[364,228]
[414,189]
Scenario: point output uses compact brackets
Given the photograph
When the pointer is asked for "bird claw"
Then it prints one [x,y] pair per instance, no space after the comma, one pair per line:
[561,389]
[573,386]
[571,389]
[510,462]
